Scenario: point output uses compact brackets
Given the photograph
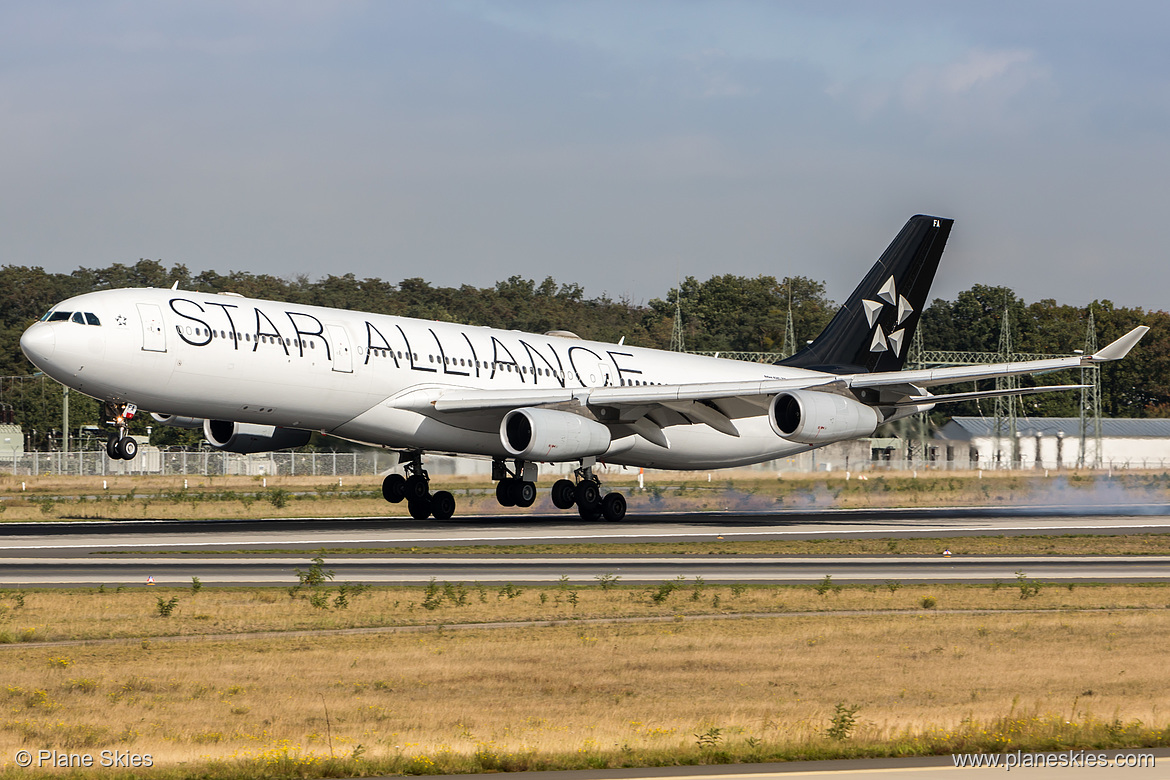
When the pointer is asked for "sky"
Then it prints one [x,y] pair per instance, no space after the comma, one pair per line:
[619,145]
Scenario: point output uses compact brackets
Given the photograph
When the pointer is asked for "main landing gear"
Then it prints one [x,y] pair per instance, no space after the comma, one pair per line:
[120,445]
[518,488]
[415,488]
[515,487]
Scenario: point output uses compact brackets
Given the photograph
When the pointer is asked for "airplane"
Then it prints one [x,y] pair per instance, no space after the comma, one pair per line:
[259,375]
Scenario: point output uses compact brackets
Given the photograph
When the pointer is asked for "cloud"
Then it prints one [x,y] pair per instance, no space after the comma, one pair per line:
[980,91]
[993,76]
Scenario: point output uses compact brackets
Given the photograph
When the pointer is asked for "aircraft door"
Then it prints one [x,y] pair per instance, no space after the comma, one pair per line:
[154,338]
[339,344]
[600,375]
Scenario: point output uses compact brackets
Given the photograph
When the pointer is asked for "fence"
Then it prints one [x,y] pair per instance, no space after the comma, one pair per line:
[151,460]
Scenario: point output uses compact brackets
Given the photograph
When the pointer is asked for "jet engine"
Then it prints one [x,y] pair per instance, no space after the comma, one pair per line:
[245,438]
[809,417]
[549,435]
[174,421]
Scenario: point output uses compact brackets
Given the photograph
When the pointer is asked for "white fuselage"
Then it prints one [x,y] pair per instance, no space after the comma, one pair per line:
[350,374]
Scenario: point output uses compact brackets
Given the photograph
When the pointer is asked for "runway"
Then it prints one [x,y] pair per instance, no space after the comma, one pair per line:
[58,554]
[1128,762]
[512,529]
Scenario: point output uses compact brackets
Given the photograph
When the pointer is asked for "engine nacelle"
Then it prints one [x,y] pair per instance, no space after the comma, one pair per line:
[809,417]
[246,438]
[174,421]
[549,435]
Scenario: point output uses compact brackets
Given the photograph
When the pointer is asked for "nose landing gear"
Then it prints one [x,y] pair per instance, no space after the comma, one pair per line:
[120,445]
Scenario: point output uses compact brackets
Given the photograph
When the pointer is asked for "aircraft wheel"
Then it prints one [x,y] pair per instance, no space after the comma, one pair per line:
[563,494]
[590,512]
[587,494]
[504,492]
[419,510]
[442,505]
[613,506]
[112,447]
[417,488]
[127,448]
[394,488]
[524,492]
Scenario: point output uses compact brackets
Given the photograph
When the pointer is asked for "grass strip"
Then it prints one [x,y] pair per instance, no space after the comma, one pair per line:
[200,498]
[52,614]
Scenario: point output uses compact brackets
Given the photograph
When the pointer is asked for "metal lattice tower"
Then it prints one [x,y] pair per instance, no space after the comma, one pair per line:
[1090,401]
[677,343]
[922,420]
[789,348]
[1006,407]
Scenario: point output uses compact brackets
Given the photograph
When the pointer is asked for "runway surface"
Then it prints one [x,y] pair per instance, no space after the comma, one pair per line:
[1122,763]
[916,768]
[62,553]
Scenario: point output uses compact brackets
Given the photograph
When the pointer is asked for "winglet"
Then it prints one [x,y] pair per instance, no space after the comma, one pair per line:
[1120,348]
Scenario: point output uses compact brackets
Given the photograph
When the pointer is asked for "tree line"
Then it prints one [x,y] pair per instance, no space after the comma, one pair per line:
[723,313]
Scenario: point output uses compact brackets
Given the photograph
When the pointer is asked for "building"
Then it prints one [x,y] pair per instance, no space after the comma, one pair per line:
[11,436]
[1053,442]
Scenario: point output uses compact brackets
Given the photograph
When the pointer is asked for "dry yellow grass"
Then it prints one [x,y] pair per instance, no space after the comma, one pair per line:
[592,691]
[49,615]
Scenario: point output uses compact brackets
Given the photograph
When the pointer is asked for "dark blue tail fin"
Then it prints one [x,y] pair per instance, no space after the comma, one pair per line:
[873,330]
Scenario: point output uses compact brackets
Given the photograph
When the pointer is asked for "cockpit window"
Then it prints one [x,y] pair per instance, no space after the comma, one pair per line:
[80,317]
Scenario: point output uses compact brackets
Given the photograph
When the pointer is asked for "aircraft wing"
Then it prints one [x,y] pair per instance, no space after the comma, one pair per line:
[643,409]
[929,377]
[649,408]
[478,400]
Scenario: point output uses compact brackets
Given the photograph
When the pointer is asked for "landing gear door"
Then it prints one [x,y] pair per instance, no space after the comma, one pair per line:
[339,345]
[154,339]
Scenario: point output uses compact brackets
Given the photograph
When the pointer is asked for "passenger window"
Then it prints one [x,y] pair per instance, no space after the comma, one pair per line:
[92,319]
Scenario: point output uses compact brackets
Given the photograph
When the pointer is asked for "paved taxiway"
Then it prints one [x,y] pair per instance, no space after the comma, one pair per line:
[71,553]
[915,768]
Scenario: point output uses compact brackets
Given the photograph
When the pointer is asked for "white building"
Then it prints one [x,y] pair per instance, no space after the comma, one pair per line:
[1053,442]
[11,442]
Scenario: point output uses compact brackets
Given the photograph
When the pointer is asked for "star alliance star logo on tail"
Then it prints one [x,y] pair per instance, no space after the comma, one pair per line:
[873,309]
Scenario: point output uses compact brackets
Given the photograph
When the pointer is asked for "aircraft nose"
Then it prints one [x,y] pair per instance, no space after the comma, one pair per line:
[38,343]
